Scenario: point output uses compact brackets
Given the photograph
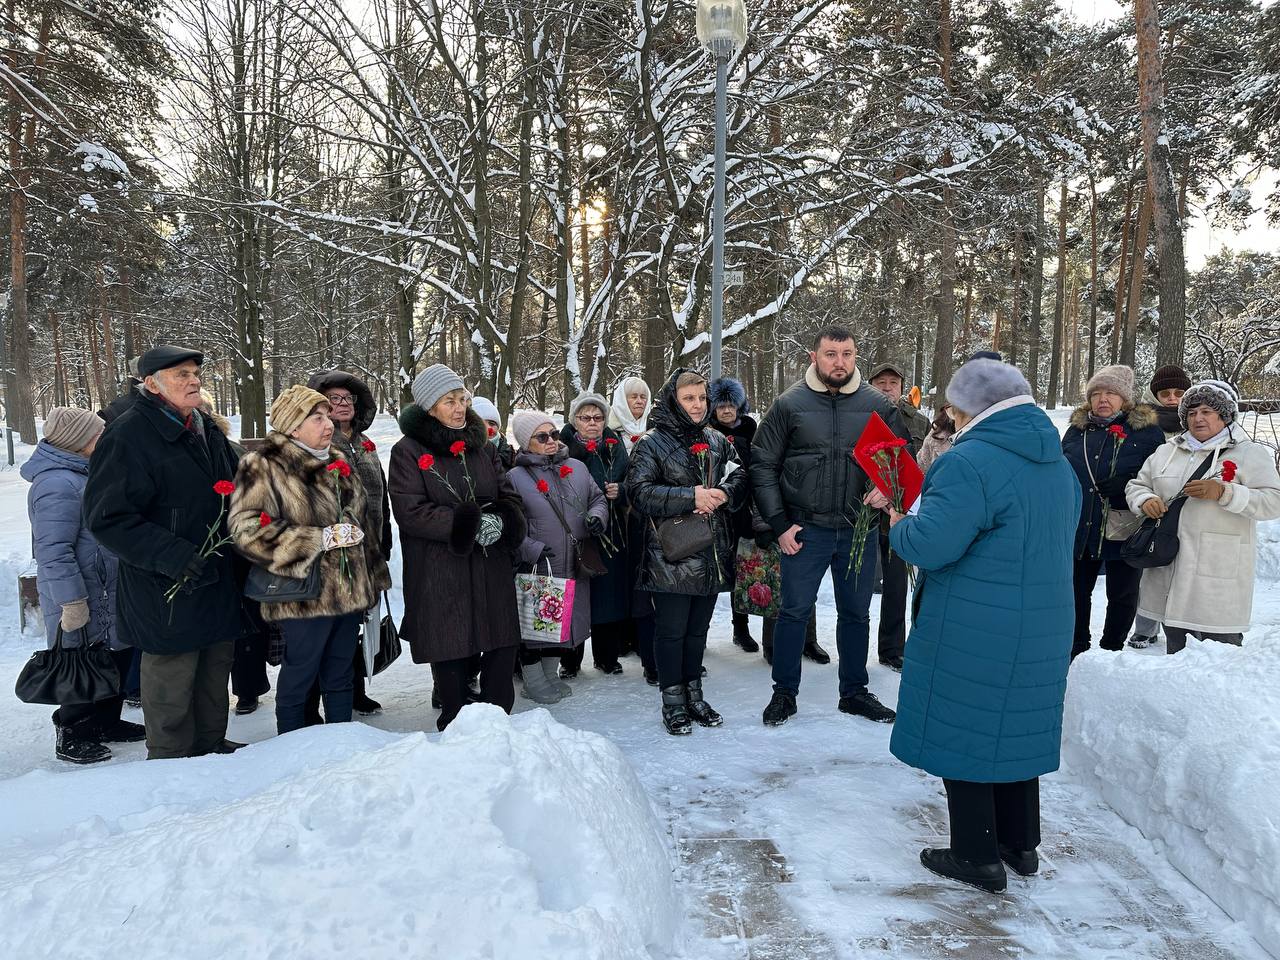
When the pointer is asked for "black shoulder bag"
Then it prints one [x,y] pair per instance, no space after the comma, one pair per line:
[66,676]
[1155,544]
[586,553]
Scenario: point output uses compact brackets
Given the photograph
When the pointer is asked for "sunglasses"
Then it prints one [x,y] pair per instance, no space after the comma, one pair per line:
[546,437]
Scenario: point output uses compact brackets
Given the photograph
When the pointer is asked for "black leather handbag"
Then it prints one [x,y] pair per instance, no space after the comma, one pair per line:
[64,676]
[267,587]
[1155,543]
[682,537]
[389,647]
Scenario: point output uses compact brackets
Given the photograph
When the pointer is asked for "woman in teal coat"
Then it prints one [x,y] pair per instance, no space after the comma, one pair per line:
[980,703]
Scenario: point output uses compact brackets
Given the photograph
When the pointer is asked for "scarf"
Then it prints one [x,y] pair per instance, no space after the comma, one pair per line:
[1194,445]
[620,417]
[321,455]
[1104,422]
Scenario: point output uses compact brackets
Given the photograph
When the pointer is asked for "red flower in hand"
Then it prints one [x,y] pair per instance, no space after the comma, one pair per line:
[264,519]
[1228,471]
[592,446]
[565,471]
[1117,431]
[224,488]
[543,486]
[426,462]
[635,438]
[458,447]
[369,446]
[341,467]
[610,441]
[699,448]
[492,433]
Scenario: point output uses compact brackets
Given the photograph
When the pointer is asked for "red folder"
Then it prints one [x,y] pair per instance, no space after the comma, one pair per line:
[909,476]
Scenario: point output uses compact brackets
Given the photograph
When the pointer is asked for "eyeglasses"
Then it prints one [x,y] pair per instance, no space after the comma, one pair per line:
[586,419]
[546,437]
[341,400]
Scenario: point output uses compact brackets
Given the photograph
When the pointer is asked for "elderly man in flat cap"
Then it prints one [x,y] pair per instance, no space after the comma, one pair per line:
[150,499]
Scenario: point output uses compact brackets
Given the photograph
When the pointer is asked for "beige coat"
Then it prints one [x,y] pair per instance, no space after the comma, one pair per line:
[1209,587]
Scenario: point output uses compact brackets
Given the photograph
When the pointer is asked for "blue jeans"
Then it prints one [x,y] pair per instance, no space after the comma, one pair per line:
[322,647]
[801,576]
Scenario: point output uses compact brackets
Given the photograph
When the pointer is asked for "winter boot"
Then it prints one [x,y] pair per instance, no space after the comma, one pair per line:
[536,687]
[813,651]
[121,731]
[780,709]
[985,876]
[893,663]
[742,634]
[864,704]
[651,676]
[675,711]
[246,706]
[699,709]
[1025,863]
[1139,642]
[550,667]
[361,702]
[74,749]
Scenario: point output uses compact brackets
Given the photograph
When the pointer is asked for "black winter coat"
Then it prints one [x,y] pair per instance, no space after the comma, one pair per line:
[741,437]
[610,592]
[802,466]
[1086,439]
[661,478]
[459,598]
[149,500]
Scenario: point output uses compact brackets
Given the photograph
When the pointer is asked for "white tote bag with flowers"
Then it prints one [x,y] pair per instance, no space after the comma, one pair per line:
[545,605]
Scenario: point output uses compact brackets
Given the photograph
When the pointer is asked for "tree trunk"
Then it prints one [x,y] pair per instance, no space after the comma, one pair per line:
[1128,345]
[1118,324]
[1060,301]
[1037,296]
[1015,311]
[1171,341]
[945,340]
[1093,275]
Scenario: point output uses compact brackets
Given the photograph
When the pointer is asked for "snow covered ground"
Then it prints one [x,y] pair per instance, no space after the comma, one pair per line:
[523,839]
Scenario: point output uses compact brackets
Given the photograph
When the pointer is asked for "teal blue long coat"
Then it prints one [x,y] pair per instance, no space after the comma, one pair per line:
[986,662]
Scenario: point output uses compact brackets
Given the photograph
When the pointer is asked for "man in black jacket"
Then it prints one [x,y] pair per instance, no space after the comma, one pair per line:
[808,488]
[150,499]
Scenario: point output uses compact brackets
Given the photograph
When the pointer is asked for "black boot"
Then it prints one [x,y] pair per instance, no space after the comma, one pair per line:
[361,702]
[865,704]
[893,663]
[246,705]
[1025,863]
[742,634]
[121,731]
[74,749]
[675,712]
[651,676]
[813,651]
[699,709]
[985,876]
[780,709]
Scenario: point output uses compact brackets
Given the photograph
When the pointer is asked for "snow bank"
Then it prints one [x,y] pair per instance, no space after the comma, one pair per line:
[506,838]
[1187,749]
[1268,551]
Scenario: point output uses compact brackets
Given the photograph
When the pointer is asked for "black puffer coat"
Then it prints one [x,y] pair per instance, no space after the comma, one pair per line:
[610,592]
[1086,439]
[661,478]
[802,467]
[728,390]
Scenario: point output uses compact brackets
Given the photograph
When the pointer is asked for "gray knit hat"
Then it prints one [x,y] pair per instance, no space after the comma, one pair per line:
[983,383]
[72,429]
[1215,394]
[433,383]
[587,400]
[485,409]
[1118,379]
[524,422]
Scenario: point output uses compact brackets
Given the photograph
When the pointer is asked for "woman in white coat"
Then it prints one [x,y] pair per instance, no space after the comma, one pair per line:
[1208,589]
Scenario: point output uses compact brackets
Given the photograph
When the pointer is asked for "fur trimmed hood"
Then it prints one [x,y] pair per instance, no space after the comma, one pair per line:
[366,406]
[436,437]
[1138,417]
[728,390]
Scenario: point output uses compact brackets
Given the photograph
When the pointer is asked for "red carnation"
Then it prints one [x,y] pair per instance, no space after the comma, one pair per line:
[426,462]
[592,446]
[699,448]
[635,438]
[1117,431]
[1228,471]
[341,467]
[458,447]
[543,486]
[730,439]
[610,441]
[369,446]
[224,488]
[565,471]
[264,519]
[492,433]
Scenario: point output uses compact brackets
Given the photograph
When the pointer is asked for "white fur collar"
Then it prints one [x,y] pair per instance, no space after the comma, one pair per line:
[813,383]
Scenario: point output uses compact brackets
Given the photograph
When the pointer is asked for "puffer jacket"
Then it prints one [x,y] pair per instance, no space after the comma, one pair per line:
[361,452]
[1209,585]
[70,564]
[986,663]
[1091,448]
[662,476]
[802,467]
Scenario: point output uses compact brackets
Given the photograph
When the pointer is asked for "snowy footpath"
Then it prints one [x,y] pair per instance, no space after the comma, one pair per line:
[586,831]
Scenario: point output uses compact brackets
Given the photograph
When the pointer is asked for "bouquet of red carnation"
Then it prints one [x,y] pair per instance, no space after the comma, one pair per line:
[339,470]
[702,451]
[214,539]
[606,464]
[884,457]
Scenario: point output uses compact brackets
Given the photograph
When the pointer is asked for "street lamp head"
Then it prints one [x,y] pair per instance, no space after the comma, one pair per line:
[722,26]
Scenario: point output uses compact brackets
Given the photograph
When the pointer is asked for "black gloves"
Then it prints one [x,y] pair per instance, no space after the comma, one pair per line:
[195,566]
[1112,486]
[595,526]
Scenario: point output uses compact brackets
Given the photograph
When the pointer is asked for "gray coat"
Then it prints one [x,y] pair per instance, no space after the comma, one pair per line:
[71,565]
[577,497]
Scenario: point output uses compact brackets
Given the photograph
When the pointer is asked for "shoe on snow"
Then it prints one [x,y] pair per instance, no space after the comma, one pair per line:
[613,669]
[864,704]
[893,663]
[135,702]
[1139,642]
[366,706]
[651,677]
[75,749]
[675,712]
[985,876]
[246,705]
[743,639]
[780,709]
[228,746]
[537,686]
[1025,863]
[813,651]
[566,674]
[122,731]
[699,709]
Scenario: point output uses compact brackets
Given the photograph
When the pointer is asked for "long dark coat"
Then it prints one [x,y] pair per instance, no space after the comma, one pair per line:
[459,598]
[662,476]
[740,435]
[150,501]
[611,593]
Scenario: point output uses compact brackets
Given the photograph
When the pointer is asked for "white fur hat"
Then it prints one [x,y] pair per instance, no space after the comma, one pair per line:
[983,383]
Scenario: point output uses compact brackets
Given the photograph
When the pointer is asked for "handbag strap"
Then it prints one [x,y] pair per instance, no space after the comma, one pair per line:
[1176,507]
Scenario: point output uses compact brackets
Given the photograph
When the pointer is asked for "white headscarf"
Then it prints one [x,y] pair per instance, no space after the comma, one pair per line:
[620,417]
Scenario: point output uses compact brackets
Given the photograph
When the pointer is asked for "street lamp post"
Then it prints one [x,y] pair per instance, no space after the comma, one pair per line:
[722,30]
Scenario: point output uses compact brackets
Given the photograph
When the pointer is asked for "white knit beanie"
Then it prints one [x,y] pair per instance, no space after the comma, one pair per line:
[485,409]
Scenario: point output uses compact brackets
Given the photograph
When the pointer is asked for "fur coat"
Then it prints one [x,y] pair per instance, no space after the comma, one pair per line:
[299,495]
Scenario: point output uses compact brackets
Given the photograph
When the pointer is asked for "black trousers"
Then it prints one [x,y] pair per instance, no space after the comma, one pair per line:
[453,677]
[316,650]
[249,668]
[1122,601]
[1176,638]
[606,645]
[641,629]
[87,720]
[680,626]
[892,638]
[985,816]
